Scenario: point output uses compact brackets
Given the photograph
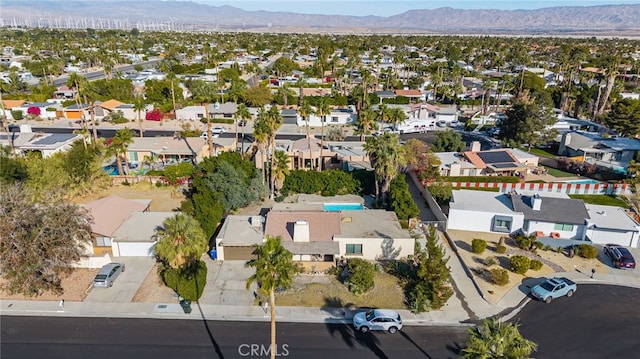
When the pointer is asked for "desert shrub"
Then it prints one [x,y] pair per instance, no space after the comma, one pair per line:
[525,242]
[539,245]
[587,251]
[519,264]
[499,276]
[535,264]
[360,276]
[188,282]
[478,245]
[501,249]
[547,248]
[489,261]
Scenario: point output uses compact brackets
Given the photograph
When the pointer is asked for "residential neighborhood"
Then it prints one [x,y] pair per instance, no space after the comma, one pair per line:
[427,181]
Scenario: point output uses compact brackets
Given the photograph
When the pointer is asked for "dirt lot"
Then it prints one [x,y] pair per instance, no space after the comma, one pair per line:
[163,199]
[322,291]
[153,290]
[75,287]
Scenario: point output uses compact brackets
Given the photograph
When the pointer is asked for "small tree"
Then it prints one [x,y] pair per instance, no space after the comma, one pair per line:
[361,276]
[519,264]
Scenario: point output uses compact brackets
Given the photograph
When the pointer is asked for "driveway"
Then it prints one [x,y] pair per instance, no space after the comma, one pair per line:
[227,284]
[127,283]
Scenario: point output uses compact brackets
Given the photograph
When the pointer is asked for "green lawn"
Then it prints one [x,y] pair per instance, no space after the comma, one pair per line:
[539,152]
[601,199]
[557,173]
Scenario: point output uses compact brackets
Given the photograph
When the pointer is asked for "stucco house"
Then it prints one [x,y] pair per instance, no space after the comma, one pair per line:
[137,235]
[547,214]
[500,162]
[614,153]
[338,116]
[167,149]
[48,143]
[108,214]
[190,113]
[318,231]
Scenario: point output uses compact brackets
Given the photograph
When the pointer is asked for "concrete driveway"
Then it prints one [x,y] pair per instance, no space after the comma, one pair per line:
[127,283]
[227,283]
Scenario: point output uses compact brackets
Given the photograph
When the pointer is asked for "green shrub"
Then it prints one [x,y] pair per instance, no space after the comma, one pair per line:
[501,249]
[535,264]
[478,245]
[587,251]
[499,276]
[360,276]
[547,248]
[188,282]
[17,115]
[519,264]
[539,245]
[525,242]
[489,261]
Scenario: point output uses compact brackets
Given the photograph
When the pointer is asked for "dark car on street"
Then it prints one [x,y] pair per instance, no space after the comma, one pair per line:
[620,256]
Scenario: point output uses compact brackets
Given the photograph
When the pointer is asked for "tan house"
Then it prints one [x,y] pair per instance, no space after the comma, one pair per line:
[167,149]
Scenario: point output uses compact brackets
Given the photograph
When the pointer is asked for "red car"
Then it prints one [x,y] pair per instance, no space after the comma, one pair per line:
[620,256]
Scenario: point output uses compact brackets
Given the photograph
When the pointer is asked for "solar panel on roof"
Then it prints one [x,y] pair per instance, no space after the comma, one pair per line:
[505,165]
[54,138]
[495,157]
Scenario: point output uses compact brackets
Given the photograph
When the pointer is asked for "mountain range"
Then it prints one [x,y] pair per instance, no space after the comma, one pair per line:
[622,20]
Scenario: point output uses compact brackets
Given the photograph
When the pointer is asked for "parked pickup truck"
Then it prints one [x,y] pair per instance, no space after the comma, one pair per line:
[554,288]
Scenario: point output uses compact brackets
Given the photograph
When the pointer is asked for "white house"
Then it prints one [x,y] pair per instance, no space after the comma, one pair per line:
[49,143]
[338,116]
[190,113]
[547,215]
[137,235]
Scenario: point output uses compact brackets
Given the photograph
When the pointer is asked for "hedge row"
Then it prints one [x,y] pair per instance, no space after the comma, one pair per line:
[483,179]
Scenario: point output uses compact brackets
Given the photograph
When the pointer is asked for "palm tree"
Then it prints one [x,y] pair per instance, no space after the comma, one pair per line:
[305,111]
[495,339]
[396,116]
[387,156]
[274,122]
[119,144]
[382,115]
[323,110]
[139,106]
[243,114]
[181,241]
[280,169]
[366,121]
[261,134]
[275,269]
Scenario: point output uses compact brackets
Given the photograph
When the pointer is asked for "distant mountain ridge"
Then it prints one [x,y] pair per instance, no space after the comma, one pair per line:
[555,20]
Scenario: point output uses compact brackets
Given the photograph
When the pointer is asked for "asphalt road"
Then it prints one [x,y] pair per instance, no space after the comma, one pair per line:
[45,337]
[597,322]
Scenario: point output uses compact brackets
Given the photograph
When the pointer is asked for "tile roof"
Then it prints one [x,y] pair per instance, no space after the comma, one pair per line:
[409,93]
[111,104]
[9,104]
[315,92]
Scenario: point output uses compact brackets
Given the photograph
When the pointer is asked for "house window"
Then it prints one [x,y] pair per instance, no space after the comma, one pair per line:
[502,224]
[334,119]
[354,248]
[200,115]
[103,241]
[563,227]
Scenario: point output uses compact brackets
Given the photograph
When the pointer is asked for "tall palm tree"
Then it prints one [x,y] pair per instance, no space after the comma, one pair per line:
[366,121]
[139,105]
[382,115]
[306,111]
[495,339]
[182,241]
[280,169]
[387,156]
[261,134]
[5,124]
[275,269]
[396,116]
[275,121]
[323,110]
[242,114]
[119,144]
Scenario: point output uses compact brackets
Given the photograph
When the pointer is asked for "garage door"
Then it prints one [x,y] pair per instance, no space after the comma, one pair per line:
[238,253]
[614,237]
[132,249]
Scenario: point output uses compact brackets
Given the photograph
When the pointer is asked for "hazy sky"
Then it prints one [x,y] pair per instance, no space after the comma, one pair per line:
[388,8]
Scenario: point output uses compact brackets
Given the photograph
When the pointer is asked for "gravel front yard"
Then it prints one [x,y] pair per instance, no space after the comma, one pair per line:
[76,287]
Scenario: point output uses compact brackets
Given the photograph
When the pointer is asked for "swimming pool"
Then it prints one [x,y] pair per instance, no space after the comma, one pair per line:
[111,170]
[584,181]
[337,207]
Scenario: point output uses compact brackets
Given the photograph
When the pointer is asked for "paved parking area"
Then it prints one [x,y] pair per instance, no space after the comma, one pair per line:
[127,283]
[227,284]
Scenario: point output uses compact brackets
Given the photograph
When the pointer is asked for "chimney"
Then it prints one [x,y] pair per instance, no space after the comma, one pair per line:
[301,231]
[536,202]
[475,146]
[455,169]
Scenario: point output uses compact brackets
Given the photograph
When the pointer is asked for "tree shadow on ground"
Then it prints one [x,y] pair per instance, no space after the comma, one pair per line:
[455,348]
[215,344]
[351,337]
[408,338]
[464,245]
[337,307]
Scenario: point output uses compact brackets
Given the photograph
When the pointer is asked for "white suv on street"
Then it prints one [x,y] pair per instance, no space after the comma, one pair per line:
[377,319]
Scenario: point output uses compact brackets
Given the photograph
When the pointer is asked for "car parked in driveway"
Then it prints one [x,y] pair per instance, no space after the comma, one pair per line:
[620,256]
[554,288]
[377,319]
[107,274]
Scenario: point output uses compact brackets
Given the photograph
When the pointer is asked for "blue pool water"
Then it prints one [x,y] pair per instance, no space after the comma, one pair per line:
[111,170]
[584,181]
[337,207]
